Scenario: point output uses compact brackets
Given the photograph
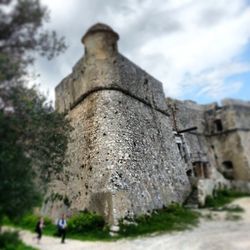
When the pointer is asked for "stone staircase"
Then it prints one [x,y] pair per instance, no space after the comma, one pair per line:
[192,200]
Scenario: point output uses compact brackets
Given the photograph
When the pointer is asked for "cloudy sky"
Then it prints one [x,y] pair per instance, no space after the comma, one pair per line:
[200,50]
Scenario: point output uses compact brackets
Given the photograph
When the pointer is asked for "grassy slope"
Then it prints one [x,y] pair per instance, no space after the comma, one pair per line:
[173,218]
[223,197]
[168,219]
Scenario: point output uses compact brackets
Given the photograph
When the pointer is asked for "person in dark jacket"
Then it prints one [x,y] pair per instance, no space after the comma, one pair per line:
[39,229]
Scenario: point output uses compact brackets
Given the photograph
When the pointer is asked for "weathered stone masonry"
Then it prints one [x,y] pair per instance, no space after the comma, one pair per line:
[214,144]
[222,138]
[123,157]
[132,150]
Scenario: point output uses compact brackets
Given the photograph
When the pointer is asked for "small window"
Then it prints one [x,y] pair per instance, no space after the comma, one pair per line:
[218,125]
[189,172]
[179,147]
[228,170]
[228,165]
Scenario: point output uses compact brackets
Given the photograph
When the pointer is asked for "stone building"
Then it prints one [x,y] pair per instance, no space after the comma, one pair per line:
[214,139]
[214,142]
[131,150]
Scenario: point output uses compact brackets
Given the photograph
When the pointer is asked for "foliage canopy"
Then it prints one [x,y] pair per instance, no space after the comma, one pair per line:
[33,135]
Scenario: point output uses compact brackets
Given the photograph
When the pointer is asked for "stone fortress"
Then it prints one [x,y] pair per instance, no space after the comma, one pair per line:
[131,149]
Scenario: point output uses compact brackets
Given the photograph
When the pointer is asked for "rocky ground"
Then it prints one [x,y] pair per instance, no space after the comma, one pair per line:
[222,232]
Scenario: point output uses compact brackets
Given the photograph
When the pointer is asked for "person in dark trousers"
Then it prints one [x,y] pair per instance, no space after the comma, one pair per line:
[39,229]
[62,226]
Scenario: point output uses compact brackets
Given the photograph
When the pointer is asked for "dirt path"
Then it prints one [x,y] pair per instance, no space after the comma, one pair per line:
[219,234]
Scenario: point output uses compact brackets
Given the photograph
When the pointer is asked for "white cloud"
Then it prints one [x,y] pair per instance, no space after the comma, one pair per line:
[215,82]
[197,47]
[190,45]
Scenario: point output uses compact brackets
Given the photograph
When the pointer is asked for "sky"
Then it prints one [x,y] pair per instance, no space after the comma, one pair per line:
[199,50]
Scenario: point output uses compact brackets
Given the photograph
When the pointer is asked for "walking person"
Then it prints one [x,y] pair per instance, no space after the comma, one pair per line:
[62,226]
[39,229]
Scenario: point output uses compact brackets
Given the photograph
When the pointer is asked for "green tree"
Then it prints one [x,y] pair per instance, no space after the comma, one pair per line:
[43,132]
[17,192]
[33,136]
[22,35]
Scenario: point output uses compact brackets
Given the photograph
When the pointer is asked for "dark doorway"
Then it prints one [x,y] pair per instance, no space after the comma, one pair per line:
[228,170]
[189,172]
[228,165]
[218,125]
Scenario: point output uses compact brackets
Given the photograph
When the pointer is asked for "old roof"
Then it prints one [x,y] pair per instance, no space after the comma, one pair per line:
[100,27]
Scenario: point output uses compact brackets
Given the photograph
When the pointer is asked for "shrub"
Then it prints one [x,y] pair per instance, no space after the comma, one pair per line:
[223,197]
[11,241]
[235,209]
[29,222]
[84,222]
[7,238]
[174,217]
[83,226]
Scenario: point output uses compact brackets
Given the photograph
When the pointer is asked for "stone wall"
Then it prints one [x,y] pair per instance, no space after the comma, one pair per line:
[122,149]
[123,159]
[132,150]
[187,115]
[231,142]
[222,137]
